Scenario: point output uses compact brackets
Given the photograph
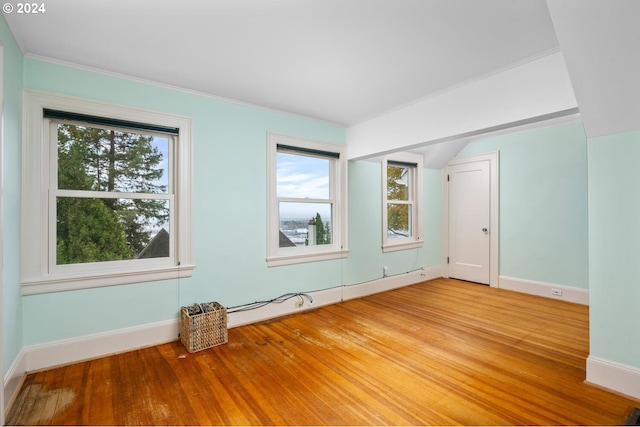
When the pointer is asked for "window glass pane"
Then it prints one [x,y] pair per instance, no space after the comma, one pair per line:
[305,224]
[95,230]
[398,183]
[398,220]
[99,159]
[301,176]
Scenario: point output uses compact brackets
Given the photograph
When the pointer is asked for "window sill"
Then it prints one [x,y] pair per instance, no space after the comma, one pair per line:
[279,260]
[71,283]
[414,244]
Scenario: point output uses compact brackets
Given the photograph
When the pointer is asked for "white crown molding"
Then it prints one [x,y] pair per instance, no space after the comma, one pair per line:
[167,86]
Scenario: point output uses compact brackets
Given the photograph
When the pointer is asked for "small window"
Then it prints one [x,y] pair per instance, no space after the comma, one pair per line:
[111,191]
[306,201]
[402,202]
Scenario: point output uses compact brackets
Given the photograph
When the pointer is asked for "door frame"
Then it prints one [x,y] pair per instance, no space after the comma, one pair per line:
[494,212]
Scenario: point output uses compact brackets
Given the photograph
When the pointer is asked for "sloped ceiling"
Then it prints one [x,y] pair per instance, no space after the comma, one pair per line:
[596,72]
[600,41]
[343,61]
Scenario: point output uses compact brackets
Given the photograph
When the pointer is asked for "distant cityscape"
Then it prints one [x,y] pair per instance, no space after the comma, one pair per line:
[297,230]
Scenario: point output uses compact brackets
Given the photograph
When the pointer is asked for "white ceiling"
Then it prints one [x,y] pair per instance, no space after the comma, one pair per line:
[343,61]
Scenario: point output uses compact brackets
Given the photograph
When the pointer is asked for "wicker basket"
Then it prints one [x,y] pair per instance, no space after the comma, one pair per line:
[203,326]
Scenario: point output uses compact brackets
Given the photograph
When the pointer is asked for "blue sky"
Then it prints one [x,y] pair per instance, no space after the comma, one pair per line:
[162,143]
[303,177]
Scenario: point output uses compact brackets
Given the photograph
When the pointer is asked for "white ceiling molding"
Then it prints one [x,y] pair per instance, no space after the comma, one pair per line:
[343,61]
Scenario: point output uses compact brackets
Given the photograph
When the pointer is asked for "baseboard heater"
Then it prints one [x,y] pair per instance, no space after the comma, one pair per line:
[634,418]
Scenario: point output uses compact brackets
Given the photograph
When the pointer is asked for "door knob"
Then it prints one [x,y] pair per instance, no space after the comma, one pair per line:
[485,231]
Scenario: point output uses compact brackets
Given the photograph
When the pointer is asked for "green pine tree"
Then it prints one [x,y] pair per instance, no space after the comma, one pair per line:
[87,230]
[107,160]
[323,233]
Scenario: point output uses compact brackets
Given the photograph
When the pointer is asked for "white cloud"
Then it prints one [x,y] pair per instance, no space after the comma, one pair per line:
[307,178]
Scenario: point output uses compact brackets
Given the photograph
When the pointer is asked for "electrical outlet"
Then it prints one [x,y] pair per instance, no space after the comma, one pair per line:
[299,303]
[556,292]
[385,271]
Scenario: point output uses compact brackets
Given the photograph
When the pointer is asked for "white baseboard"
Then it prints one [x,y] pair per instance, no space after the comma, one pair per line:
[332,296]
[390,282]
[542,289]
[285,308]
[97,345]
[63,352]
[614,376]
[13,379]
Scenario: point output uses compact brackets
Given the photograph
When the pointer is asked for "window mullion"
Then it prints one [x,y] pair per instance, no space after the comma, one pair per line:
[399,202]
[303,200]
[88,194]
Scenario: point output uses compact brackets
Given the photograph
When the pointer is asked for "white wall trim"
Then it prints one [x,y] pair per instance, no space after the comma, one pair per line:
[391,282]
[63,352]
[337,198]
[332,296]
[543,289]
[416,196]
[40,273]
[13,380]
[97,345]
[613,376]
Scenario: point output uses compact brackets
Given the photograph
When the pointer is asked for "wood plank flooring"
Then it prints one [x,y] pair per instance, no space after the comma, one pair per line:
[443,352]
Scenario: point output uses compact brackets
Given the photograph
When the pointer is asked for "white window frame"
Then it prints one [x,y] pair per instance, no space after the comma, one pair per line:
[416,200]
[277,256]
[39,272]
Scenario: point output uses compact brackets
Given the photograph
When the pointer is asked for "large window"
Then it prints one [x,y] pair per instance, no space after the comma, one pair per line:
[111,188]
[307,199]
[402,202]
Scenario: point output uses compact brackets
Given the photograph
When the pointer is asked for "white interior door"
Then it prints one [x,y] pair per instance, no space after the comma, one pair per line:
[469,221]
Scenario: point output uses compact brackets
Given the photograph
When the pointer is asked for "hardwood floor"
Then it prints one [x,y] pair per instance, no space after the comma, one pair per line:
[443,352]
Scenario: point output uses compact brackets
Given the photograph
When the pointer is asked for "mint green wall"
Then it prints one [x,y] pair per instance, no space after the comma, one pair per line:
[366,259]
[229,212]
[543,203]
[229,215]
[614,247]
[11,178]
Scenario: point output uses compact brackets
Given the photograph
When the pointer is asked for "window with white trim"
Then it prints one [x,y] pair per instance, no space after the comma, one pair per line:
[402,202]
[106,195]
[306,200]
